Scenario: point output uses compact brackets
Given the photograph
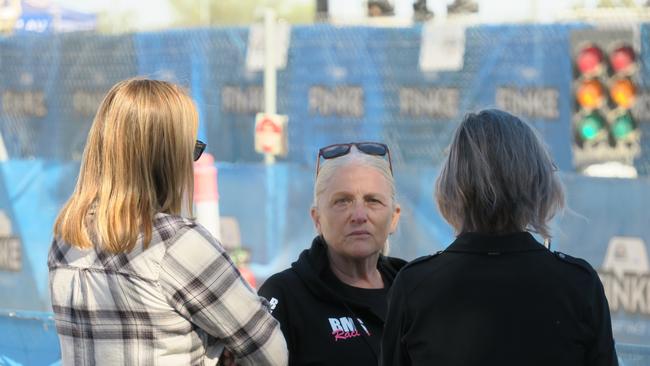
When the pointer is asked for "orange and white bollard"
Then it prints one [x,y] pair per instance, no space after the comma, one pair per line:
[206,195]
[248,275]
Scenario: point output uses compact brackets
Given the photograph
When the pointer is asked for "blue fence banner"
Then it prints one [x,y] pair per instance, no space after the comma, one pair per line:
[340,84]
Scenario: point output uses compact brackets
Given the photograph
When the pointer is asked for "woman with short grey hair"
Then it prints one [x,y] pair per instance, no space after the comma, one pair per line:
[498,177]
[496,296]
[331,303]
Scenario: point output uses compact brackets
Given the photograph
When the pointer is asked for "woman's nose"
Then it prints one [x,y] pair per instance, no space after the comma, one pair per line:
[359,211]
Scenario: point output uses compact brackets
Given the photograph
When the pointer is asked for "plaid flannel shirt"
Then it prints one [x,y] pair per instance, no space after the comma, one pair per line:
[179,302]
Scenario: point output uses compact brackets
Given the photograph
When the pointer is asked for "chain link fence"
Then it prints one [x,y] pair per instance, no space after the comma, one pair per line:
[340,84]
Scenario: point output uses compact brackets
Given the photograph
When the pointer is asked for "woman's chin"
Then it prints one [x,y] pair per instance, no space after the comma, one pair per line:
[362,251]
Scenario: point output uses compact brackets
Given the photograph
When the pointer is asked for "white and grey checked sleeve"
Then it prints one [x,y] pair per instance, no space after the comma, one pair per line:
[203,285]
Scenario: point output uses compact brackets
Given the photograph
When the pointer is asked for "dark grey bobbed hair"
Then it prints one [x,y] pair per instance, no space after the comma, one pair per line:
[498,178]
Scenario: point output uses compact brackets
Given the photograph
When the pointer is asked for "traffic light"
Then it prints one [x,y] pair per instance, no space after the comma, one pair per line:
[604,93]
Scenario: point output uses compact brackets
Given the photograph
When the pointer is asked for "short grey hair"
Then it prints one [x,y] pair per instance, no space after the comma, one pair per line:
[330,166]
[499,177]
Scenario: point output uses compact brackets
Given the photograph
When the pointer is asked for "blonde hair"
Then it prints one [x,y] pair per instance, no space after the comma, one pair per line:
[498,177]
[137,162]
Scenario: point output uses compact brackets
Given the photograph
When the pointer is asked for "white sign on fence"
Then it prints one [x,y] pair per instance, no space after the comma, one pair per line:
[255,50]
[442,48]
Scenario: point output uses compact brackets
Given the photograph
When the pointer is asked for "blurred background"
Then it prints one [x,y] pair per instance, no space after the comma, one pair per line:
[276,80]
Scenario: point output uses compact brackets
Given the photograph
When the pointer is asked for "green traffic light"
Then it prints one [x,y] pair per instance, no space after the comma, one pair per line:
[591,126]
[623,126]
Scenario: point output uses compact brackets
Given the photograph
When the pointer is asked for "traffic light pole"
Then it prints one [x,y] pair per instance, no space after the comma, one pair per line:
[270,88]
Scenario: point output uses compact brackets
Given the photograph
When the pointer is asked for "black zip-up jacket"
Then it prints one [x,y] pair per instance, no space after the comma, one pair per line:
[498,300]
[321,324]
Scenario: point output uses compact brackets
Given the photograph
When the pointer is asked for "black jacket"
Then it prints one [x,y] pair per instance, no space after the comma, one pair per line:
[498,300]
[321,324]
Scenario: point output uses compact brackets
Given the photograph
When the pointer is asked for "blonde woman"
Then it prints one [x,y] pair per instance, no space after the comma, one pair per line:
[132,282]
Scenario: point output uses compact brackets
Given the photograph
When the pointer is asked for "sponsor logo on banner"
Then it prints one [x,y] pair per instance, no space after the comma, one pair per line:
[340,101]
[345,328]
[529,102]
[10,247]
[625,274]
[242,100]
[30,103]
[430,102]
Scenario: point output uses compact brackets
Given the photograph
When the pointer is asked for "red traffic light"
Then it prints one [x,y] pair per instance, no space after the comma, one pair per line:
[622,58]
[589,60]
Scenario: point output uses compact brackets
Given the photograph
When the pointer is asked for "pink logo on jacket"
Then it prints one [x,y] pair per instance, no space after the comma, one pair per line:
[345,328]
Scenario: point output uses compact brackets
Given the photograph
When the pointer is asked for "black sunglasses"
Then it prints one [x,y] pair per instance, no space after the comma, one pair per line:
[370,148]
[198,149]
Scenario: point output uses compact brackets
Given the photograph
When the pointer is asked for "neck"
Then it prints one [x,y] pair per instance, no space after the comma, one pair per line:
[356,272]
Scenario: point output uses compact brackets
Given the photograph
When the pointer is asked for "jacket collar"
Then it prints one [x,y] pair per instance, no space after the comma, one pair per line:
[312,268]
[472,242]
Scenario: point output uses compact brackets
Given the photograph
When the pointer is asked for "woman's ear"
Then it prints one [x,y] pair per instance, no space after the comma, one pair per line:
[315,216]
[395,219]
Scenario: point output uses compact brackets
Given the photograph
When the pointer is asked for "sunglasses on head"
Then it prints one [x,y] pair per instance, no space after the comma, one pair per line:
[337,150]
[199,147]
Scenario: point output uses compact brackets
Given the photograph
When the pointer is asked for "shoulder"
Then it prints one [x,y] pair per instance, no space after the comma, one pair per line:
[172,229]
[421,262]
[185,242]
[287,275]
[405,287]
[582,280]
[278,289]
[280,282]
[574,263]
[412,272]
[167,227]
[172,221]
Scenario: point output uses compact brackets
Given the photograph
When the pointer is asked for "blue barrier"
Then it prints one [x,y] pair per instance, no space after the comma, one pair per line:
[51,85]
[280,197]
[29,338]
[633,355]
